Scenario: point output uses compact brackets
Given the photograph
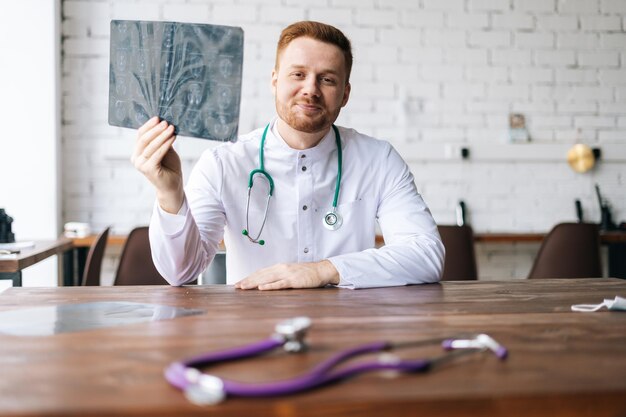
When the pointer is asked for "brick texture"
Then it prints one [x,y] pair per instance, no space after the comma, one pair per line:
[429,72]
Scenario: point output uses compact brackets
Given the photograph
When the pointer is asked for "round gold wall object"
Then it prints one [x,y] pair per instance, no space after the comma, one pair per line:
[580,157]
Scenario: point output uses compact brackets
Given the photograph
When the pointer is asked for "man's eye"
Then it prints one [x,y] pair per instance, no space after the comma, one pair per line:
[298,74]
[327,80]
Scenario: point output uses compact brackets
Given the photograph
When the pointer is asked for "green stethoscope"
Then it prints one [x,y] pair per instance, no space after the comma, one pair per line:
[332,220]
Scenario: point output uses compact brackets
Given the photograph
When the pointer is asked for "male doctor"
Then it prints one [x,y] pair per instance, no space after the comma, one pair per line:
[318,226]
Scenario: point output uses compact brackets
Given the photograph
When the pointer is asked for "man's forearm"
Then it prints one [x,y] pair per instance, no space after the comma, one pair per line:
[171,202]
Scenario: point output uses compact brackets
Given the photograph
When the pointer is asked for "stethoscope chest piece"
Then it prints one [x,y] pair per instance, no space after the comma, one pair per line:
[332,220]
[204,389]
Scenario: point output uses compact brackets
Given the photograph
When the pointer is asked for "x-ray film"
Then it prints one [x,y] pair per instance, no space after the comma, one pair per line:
[187,74]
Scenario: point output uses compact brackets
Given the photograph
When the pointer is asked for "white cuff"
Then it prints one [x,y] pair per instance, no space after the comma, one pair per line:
[172,224]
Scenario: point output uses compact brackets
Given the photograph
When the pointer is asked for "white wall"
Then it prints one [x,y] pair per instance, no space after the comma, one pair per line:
[427,73]
[29,116]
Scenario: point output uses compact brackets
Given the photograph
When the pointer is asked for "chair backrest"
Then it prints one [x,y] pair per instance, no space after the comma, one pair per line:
[460,263]
[136,266]
[93,264]
[570,250]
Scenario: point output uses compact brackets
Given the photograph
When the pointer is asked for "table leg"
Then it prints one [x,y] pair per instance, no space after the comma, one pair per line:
[16,277]
[73,266]
[617,260]
[68,268]
[81,260]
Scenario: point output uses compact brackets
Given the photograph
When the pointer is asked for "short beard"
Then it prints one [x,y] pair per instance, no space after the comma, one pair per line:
[305,124]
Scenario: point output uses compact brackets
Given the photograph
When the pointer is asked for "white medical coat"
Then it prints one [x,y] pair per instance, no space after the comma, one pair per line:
[376,185]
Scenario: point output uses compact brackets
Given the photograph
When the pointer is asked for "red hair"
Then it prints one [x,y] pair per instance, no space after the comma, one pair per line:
[318,31]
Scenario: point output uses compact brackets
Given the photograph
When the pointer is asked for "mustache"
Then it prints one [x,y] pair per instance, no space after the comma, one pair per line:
[309,102]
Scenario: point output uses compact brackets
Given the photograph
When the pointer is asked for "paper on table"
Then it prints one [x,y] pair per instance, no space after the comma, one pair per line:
[25,244]
[619,303]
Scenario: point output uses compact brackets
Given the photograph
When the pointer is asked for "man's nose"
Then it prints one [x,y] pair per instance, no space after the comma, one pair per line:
[311,87]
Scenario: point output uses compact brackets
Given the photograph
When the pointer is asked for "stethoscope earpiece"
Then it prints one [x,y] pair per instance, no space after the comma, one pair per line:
[260,242]
[331,221]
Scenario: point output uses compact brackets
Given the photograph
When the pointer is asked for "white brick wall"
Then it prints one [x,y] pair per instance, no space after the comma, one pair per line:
[429,71]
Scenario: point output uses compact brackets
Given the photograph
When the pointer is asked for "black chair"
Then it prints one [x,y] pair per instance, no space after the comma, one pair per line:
[460,263]
[136,266]
[93,264]
[570,250]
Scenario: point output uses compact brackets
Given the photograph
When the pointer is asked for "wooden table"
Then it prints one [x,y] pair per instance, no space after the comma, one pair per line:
[561,363]
[615,240]
[618,236]
[11,266]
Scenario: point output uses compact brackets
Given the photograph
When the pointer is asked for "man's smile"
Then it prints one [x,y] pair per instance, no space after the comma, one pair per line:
[309,108]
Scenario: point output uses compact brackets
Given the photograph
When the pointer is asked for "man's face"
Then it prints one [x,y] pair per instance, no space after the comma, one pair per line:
[310,85]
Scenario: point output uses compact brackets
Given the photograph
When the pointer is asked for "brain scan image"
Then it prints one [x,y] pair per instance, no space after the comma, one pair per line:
[187,74]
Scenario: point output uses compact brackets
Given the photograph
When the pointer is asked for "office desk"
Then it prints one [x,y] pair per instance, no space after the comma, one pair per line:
[615,240]
[11,266]
[606,238]
[560,363]
[617,236]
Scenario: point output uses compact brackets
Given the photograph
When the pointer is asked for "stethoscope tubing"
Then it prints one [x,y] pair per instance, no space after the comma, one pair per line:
[339,168]
[202,389]
[323,374]
[247,229]
[335,217]
[320,375]
[175,373]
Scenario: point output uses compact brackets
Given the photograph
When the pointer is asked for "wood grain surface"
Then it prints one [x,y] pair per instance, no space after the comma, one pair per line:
[30,256]
[561,363]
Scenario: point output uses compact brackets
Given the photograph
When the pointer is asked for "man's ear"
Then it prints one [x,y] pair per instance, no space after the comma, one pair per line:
[274,81]
[346,94]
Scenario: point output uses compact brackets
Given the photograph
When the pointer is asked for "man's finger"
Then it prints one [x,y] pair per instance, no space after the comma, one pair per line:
[158,142]
[246,284]
[276,285]
[159,154]
[255,280]
[148,125]
[144,140]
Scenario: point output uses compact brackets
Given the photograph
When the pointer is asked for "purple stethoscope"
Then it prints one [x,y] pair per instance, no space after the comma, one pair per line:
[205,389]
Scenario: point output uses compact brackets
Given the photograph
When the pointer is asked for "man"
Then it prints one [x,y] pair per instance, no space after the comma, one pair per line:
[311,231]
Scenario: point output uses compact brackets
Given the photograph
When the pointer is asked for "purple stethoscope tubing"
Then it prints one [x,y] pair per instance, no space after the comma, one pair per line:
[320,375]
[204,389]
